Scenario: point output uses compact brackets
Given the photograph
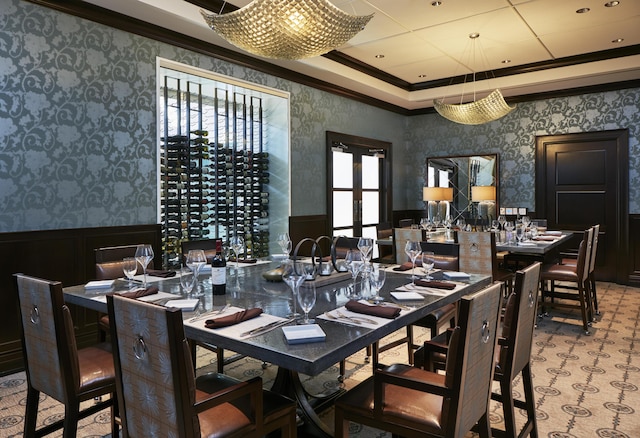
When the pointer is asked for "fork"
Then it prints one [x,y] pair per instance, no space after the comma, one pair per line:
[209,313]
[337,318]
[362,319]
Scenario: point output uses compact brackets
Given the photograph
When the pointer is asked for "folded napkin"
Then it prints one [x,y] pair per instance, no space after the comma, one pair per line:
[225,321]
[547,238]
[407,266]
[137,293]
[381,311]
[160,273]
[435,284]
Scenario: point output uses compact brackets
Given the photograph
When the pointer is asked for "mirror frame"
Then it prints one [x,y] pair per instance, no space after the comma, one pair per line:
[461,180]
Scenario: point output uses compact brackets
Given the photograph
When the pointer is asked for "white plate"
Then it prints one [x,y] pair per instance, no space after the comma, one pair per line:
[407,296]
[299,334]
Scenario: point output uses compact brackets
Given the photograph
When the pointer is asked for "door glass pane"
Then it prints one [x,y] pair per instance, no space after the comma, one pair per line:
[370,207]
[370,172]
[342,170]
[342,209]
[371,232]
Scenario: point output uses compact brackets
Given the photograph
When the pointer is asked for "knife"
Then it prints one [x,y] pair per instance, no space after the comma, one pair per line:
[265,328]
[209,313]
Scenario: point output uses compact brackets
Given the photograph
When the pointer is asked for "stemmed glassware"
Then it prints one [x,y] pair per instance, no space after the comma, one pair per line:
[377,277]
[508,227]
[129,267]
[307,299]
[436,221]
[354,264]
[413,250]
[237,244]
[294,277]
[285,243]
[520,232]
[428,262]
[187,280]
[144,255]
[196,259]
[365,245]
[447,224]
[526,221]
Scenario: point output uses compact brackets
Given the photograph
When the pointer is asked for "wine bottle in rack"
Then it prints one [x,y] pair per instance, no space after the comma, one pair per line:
[218,271]
[201,132]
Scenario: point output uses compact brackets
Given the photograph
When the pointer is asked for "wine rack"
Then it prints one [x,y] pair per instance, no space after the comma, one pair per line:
[214,169]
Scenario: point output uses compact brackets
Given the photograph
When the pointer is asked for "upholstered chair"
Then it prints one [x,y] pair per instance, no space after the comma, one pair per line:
[55,366]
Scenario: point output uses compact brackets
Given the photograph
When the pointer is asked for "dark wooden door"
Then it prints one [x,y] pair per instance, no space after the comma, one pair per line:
[582,180]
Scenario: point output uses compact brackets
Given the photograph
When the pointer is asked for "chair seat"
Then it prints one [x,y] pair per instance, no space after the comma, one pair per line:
[402,405]
[95,364]
[559,273]
[222,420]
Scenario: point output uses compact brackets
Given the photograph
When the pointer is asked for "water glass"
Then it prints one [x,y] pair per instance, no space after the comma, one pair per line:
[196,259]
[413,250]
[292,275]
[428,262]
[187,280]
[307,299]
[129,268]
[144,255]
[354,264]
[377,277]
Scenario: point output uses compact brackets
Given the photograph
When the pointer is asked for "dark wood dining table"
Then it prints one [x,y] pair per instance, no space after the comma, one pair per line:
[247,288]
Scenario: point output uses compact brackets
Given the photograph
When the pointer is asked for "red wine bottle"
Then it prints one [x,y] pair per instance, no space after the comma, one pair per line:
[218,271]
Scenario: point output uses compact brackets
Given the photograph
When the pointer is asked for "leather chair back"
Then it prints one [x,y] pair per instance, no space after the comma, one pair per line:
[207,245]
[109,261]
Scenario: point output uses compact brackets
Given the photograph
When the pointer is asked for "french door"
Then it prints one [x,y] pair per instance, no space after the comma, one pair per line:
[358,185]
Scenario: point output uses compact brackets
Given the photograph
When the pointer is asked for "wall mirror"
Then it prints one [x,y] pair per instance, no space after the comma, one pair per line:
[461,173]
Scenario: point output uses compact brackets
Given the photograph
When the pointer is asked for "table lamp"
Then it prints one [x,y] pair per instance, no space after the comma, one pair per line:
[437,199]
[485,196]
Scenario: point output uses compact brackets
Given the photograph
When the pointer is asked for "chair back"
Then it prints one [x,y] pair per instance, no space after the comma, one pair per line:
[405,223]
[446,255]
[478,252]
[49,345]
[155,376]
[519,322]
[109,261]
[207,245]
[469,370]
[400,238]
[584,255]
[342,245]
[594,248]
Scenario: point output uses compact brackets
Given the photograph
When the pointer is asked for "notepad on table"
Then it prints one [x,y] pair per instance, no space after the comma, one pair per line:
[455,275]
[299,334]
[99,284]
[185,304]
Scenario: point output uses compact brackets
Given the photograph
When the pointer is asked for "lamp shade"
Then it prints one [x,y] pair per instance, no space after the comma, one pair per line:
[483,193]
[447,194]
[432,193]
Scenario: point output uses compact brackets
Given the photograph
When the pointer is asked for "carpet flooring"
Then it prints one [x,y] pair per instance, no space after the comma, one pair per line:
[585,386]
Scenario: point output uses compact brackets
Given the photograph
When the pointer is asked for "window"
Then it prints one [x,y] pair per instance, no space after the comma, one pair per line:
[220,143]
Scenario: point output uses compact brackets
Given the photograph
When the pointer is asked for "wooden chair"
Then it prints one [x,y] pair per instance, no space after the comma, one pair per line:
[577,277]
[159,392]
[400,237]
[591,279]
[478,255]
[405,223]
[513,354]
[446,258]
[207,245]
[412,402]
[55,366]
[109,261]
[384,230]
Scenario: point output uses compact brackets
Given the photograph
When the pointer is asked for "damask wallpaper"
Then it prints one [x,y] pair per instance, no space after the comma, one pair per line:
[78,123]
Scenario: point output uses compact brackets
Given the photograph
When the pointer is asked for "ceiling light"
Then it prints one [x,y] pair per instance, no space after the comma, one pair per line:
[436,3]
[287,29]
[611,4]
[506,61]
[617,40]
[476,112]
[379,56]
[582,10]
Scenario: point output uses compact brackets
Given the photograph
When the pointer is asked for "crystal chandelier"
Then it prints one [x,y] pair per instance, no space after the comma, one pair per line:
[287,29]
[476,112]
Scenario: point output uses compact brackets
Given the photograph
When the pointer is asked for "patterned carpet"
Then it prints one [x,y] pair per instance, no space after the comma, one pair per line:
[585,386]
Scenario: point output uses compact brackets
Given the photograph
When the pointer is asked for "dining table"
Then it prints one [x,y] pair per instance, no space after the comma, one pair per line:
[295,349]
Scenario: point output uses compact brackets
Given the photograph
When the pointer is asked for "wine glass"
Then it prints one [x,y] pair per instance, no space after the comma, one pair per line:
[447,224]
[495,225]
[502,219]
[129,267]
[196,259]
[307,299]
[365,245]
[187,280]
[413,250]
[285,243]
[508,227]
[526,221]
[520,232]
[436,221]
[144,255]
[428,261]
[377,277]
[292,275]
[237,243]
[354,264]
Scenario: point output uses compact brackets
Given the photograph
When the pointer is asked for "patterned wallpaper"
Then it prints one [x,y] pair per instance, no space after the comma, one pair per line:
[78,122]
[513,138]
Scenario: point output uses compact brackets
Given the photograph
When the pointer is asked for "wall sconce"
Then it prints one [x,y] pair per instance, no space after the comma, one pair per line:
[437,199]
[485,196]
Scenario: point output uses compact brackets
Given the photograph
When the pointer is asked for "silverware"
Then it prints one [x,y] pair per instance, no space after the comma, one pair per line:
[396,305]
[209,313]
[266,328]
[361,318]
